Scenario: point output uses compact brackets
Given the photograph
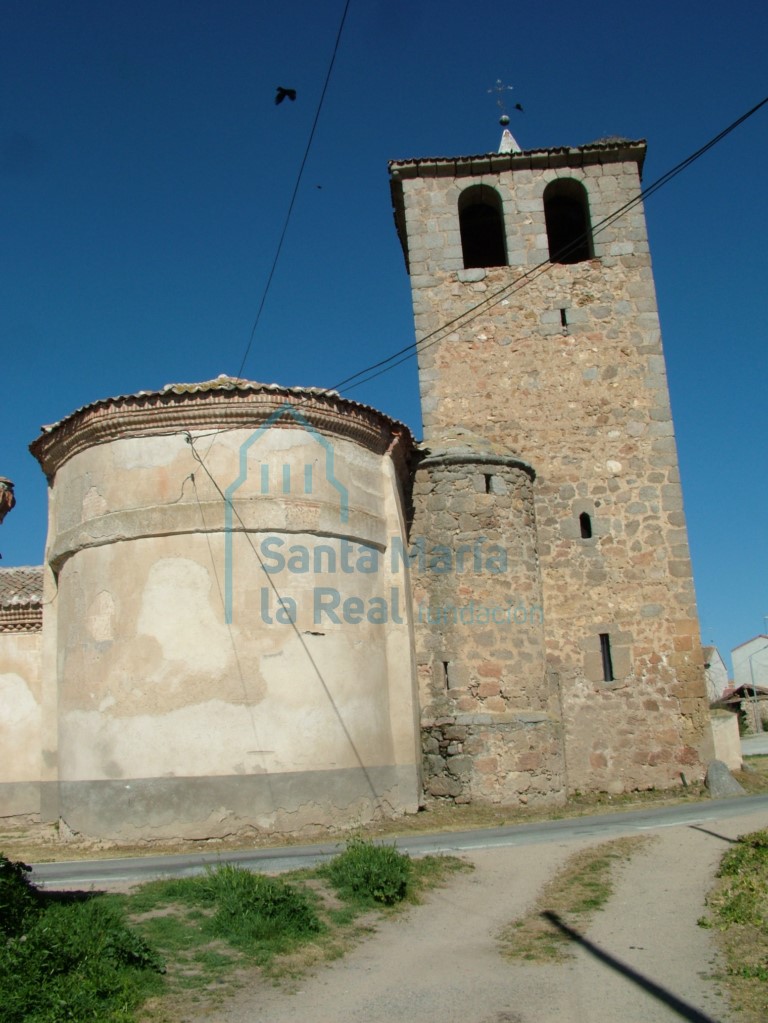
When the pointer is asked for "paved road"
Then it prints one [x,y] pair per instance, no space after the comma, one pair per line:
[102,872]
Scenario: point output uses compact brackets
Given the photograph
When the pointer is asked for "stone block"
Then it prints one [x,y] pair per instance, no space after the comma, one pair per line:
[460,766]
[434,764]
[443,786]
[720,781]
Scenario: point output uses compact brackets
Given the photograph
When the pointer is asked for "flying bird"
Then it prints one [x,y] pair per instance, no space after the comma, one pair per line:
[282,93]
[519,106]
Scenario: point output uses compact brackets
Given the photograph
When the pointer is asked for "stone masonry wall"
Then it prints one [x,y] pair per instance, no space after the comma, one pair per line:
[490,720]
[566,368]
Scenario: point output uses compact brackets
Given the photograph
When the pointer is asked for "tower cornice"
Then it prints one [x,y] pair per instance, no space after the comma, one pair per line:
[600,152]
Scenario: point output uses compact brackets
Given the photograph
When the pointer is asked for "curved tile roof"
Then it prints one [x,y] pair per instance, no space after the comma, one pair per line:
[23,585]
[21,599]
[222,403]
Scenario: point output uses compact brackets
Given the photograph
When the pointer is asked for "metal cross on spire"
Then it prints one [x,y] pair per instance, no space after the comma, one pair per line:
[508,143]
[500,88]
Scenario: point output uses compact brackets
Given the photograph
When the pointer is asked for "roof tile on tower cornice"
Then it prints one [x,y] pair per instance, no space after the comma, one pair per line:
[609,150]
[225,403]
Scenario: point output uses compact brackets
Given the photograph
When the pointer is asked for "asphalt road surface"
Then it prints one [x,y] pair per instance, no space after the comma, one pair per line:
[275,860]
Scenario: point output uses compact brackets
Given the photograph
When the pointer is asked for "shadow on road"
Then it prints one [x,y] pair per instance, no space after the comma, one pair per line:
[683,1009]
[714,834]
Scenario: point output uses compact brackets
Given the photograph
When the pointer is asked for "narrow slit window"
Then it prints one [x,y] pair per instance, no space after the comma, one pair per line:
[445,674]
[585,526]
[563,318]
[605,653]
[488,479]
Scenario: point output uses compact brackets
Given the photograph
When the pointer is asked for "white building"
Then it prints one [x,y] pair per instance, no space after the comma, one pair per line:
[750,662]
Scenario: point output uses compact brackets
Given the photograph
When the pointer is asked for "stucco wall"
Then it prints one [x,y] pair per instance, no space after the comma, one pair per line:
[212,675]
[20,723]
[750,662]
[727,742]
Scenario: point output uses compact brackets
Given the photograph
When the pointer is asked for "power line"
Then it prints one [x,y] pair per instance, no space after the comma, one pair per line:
[295,193]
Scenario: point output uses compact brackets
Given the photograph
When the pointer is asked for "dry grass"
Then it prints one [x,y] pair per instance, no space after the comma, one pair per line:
[755,777]
[578,890]
[738,911]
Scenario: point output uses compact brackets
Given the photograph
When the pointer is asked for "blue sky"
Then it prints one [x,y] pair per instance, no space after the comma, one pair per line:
[146,174]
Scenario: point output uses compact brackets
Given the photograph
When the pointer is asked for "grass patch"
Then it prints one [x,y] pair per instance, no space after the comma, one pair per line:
[579,889]
[368,874]
[255,912]
[738,910]
[215,929]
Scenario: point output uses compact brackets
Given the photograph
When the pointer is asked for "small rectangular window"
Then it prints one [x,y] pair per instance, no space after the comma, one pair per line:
[605,653]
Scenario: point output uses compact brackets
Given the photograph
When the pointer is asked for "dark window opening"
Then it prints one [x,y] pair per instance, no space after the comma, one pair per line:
[482,228]
[488,479]
[585,525]
[563,318]
[566,212]
[445,674]
[605,653]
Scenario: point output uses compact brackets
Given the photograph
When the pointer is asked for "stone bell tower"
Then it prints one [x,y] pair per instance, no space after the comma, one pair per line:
[575,664]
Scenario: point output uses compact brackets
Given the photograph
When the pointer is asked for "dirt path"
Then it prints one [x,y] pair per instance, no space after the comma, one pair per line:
[441,962]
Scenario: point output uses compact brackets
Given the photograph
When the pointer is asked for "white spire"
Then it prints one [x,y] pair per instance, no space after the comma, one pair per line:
[508,143]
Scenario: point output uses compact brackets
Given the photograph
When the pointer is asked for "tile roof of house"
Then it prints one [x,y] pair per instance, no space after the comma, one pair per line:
[21,586]
[734,693]
[21,599]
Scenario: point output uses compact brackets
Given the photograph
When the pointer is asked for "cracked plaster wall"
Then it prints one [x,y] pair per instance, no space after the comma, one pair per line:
[20,723]
[172,719]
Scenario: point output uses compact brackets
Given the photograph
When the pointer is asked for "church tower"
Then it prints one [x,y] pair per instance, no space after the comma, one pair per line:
[561,651]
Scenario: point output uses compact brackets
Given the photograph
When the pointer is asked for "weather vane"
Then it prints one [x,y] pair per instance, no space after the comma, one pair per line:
[500,88]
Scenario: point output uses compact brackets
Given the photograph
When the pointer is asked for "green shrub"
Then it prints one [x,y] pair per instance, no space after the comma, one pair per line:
[75,962]
[251,908]
[18,896]
[370,873]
